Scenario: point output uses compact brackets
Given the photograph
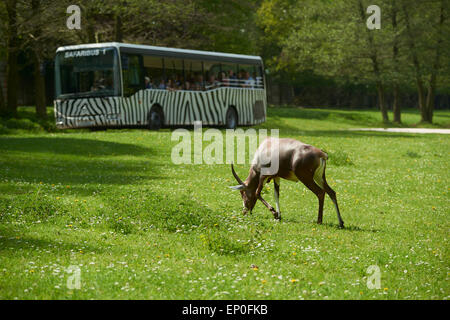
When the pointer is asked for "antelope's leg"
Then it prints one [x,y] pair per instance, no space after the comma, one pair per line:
[311,185]
[260,185]
[332,194]
[275,215]
[258,195]
[276,191]
[321,198]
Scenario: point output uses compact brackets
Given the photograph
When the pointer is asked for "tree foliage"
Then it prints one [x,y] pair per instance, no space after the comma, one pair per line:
[331,38]
[296,37]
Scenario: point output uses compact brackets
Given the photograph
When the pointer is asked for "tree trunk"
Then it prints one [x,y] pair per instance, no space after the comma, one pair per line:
[376,67]
[432,84]
[395,104]
[91,33]
[90,23]
[118,34]
[2,101]
[12,48]
[280,93]
[39,81]
[421,97]
[381,101]
[39,88]
[412,48]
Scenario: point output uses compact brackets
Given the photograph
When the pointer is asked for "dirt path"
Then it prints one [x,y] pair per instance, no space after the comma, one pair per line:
[404,130]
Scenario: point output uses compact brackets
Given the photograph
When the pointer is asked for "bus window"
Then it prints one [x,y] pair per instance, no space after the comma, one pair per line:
[192,71]
[229,74]
[133,78]
[174,73]
[247,75]
[154,72]
[212,74]
[259,79]
[87,73]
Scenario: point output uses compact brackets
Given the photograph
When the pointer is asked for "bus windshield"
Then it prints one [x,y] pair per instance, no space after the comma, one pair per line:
[87,73]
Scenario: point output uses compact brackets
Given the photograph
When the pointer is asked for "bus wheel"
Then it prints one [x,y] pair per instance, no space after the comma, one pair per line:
[155,119]
[231,119]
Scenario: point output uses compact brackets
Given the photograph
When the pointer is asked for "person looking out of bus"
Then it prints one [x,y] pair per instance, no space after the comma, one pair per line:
[162,85]
[257,80]
[178,84]
[99,84]
[199,84]
[148,83]
[170,85]
[249,81]
[212,83]
[232,78]
[224,81]
[241,78]
[109,83]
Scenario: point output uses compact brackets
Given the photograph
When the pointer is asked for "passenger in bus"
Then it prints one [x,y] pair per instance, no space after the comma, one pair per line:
[249,81]
[148,83]
[178,84]
[162,85]
[189,83]
[241,78]
[199,83]
[212,83]
[223,79]
[232,78]
[170,85]
[99,85]
[109,83]
[257,80]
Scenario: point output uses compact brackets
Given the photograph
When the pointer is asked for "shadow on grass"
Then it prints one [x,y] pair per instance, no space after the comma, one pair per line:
[329,225]
[16,242]
[278,120]
[343,133]
[355,134]
[83,164]
[349,228]
[80,176]
[348,116]
[70,146]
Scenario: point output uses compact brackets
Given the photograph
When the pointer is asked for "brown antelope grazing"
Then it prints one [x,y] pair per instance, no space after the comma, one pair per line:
[297,161]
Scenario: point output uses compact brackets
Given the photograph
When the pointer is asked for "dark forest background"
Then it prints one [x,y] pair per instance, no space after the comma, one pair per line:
[316,52]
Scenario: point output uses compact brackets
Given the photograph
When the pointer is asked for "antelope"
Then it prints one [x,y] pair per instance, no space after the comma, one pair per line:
[297,161]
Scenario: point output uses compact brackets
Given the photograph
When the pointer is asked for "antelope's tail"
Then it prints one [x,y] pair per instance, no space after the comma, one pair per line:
[319,173]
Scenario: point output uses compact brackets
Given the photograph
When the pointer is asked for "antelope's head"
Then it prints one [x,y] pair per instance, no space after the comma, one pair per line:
[248,196]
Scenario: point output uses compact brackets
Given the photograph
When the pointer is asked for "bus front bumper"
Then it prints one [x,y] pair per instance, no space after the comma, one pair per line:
[87,121]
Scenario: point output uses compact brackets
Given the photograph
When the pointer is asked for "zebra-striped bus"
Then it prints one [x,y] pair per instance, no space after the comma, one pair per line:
[116,84]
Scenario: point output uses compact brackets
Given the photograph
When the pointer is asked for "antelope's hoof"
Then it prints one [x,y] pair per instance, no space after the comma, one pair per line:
[341,226]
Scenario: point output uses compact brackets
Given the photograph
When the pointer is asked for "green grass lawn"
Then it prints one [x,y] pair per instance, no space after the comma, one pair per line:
[139,227]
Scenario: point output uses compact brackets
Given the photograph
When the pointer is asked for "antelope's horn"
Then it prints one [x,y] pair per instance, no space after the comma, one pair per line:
[236,176]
